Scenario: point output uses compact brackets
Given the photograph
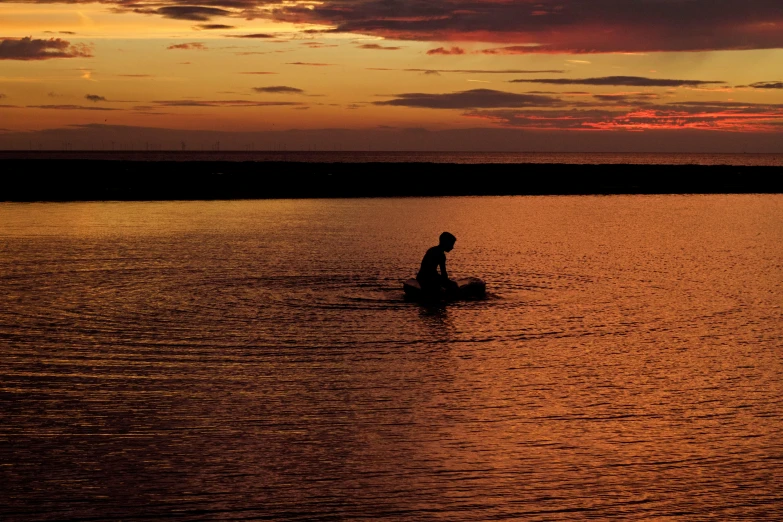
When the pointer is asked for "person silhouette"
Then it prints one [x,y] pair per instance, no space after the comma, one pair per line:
[433,283]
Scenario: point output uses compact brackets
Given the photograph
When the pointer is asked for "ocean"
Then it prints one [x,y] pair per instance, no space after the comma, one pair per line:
[256,360]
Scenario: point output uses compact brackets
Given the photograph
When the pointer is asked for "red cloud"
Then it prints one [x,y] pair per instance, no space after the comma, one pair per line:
[28,48]
[713,116]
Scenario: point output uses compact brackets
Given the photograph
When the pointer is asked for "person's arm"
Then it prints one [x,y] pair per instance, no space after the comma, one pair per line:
[447,283]
[443,273]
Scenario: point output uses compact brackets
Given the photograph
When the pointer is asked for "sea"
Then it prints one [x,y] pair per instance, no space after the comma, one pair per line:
[257,360]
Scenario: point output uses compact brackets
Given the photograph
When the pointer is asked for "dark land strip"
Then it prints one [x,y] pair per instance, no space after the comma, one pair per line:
[101,180]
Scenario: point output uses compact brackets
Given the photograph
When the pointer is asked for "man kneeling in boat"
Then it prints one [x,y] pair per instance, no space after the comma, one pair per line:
[429,279]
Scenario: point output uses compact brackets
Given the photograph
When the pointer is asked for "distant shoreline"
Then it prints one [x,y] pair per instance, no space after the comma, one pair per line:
[27,180]
[379,156]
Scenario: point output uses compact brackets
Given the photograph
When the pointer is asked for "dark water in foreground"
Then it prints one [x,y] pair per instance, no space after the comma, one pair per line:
[255,360]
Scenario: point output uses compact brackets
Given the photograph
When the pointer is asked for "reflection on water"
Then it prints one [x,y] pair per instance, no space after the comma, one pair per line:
[256,359]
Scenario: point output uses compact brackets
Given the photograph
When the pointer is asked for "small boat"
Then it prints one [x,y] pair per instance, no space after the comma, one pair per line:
[467,288]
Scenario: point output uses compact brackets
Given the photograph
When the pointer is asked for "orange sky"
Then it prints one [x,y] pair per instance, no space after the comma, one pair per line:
[248,70]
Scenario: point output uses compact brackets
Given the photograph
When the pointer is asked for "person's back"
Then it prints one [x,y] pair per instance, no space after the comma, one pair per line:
[434,258]
[429,279]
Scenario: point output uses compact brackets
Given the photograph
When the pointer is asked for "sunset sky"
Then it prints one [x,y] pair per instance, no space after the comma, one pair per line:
[689,75]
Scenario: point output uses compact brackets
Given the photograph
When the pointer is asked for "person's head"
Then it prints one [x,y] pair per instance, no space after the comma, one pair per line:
[446,241]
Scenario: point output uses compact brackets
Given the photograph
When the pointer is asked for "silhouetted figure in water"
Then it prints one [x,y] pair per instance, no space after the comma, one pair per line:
[429,279]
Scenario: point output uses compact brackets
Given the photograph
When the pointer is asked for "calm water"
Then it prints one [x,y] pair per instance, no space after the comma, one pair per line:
[256,360]
[568,158]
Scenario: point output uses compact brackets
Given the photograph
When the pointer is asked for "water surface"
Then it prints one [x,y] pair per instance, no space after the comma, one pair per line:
[256,360]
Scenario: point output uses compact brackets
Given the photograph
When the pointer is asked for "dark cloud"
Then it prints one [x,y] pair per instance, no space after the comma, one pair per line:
[191,12]
[767,85]
[70,108]
[472,71]
[512,49]
[260,36]
[628,81]
[316,31]
[198,46]
[379,47]
[95,98]
[310,64]
[559,26]
[482,71]
[2,96]
[209,27]
[135,75]
[444,50]
[317,45]
[477,98]
[699,105]
[28,48]
[222,103]
[279,89]
[638,98]
[543,26]
[258,72]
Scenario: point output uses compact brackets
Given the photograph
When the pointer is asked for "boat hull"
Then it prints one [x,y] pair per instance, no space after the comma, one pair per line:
[467,288]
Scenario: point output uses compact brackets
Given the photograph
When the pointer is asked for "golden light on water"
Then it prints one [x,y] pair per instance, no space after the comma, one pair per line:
[258,358]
